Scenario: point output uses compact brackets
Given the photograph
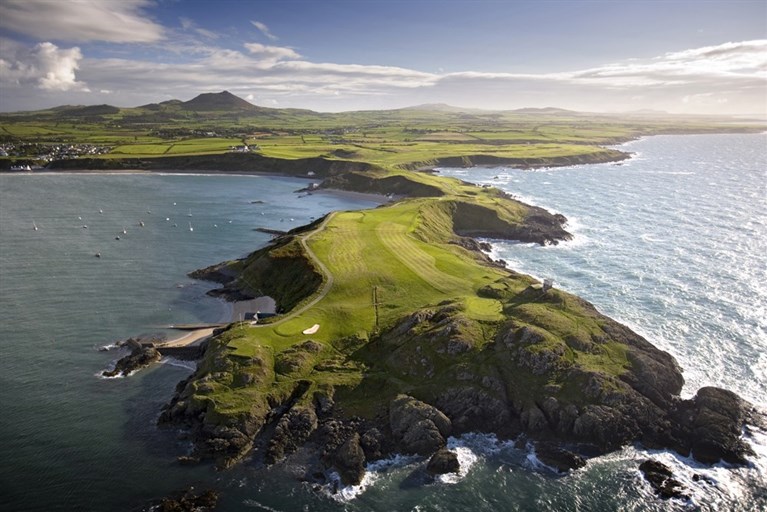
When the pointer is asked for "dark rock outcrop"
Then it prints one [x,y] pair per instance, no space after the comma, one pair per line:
[349,460]
[139,357]
[558,458]
[662,480]
[443,461]
[418,427]
[188,501]
[710,426]
[293,429]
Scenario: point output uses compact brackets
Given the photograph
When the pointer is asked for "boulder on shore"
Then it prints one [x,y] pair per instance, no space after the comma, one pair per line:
[558,458]
[349,460]
[139,357]
[443,461]
[662,480]
[710,426]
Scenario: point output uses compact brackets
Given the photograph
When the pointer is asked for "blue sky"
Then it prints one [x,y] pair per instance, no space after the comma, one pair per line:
[680,56]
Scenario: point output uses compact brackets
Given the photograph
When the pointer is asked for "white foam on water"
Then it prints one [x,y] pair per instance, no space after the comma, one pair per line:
[108,347]
[172,361]
[470,448]
[255,504]
[336,491]
[533,462]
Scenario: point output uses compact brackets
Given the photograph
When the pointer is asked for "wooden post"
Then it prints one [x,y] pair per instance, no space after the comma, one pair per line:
[375,304]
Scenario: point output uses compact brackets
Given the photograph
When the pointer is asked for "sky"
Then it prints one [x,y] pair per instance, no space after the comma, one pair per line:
[700,56]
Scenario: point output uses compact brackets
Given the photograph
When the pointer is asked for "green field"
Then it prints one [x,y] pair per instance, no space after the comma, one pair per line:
[378,249]
[403,138]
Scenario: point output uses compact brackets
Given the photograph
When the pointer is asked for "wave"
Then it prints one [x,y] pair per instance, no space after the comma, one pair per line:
[336,491]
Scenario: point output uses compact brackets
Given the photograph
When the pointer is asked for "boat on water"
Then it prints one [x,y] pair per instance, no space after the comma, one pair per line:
[190,227]
[190,213]
[21,168]
[34,225]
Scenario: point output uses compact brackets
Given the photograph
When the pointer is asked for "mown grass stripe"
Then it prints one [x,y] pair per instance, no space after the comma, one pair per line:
[406,250]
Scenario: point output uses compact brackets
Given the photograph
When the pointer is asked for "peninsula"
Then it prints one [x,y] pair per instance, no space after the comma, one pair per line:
[395,329]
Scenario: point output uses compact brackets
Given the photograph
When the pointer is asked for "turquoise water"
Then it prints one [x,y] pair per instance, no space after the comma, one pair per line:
[672,243]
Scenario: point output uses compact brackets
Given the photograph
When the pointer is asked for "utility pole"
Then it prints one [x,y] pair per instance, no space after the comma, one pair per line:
[375,305]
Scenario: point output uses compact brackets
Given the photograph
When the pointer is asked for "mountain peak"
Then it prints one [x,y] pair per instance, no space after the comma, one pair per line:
[223,100]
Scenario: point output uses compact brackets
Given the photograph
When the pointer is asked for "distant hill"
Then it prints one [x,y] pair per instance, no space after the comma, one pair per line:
[217,101]
[81,110]
[438,107]
[544,110]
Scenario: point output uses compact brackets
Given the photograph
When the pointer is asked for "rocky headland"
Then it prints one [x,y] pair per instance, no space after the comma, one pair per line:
[547,367]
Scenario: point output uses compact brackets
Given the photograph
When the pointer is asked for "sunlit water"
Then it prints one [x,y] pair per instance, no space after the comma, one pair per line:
[672,242]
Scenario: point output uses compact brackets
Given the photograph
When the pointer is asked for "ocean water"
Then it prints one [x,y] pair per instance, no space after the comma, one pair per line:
[71,440]
[672,242]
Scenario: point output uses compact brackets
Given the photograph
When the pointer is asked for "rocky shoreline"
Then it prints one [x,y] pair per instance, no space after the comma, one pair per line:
[707,427]
[573,412]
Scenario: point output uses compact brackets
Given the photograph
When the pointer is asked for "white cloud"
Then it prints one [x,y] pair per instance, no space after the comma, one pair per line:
[120,21]
[264,30]
[271,53]
[46,66]
[736,72]
[188,24]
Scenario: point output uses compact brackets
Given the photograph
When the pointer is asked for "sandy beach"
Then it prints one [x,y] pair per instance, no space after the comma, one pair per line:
[237,312]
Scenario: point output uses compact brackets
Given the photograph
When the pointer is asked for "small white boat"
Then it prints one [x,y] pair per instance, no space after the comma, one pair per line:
[34,225]
[125,231]
[101,211]
[190,227]
[190,213]
[141,223]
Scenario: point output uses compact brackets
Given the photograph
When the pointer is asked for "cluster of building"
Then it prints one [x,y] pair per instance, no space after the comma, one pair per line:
[50,152]
[243,148]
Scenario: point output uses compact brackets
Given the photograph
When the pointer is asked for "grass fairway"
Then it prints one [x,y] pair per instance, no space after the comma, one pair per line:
[376,254]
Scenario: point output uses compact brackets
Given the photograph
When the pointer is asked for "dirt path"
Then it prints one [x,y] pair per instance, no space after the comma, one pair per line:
[328,276]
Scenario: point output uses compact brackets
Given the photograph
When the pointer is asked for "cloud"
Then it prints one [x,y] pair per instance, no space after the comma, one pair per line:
[736,72]
[271,53]
[120,21]
[188,24]
[45,66]
[264,30]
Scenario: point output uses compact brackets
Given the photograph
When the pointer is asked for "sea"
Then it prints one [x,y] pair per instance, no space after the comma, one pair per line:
[672,242]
